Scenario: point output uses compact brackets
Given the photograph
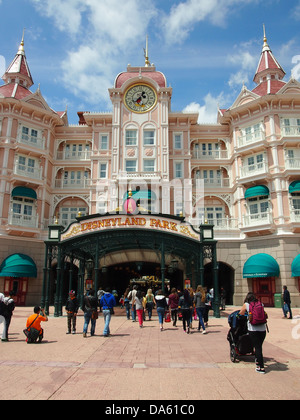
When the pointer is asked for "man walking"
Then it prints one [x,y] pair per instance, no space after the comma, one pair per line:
[287,303]
[107,302]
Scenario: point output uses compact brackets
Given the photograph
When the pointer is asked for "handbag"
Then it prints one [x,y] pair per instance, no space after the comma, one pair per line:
[168,317]
[111,310]
[32,333]
[94,313]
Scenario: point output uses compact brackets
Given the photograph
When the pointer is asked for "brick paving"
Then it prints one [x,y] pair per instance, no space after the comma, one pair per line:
[147,364]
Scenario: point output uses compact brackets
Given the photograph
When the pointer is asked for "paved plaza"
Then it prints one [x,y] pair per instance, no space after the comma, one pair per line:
[147,364]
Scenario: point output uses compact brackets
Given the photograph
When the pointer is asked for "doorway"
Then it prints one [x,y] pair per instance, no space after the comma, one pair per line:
[19,286]
[225,279]
[264,289]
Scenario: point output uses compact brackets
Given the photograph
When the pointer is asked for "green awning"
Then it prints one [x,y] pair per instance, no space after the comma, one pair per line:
[261,265]
[24,192]
[257,191]
[18,265]
[141,195]
[294,187]
[296,267]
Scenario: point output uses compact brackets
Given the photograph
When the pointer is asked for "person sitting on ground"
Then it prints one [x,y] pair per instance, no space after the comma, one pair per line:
[34,321]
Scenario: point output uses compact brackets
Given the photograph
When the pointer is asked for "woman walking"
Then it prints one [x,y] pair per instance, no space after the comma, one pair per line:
[161,305]
[199,300]
[138,302]
[185,304]
[257,333]
[90,309]
[173,304]
[150,302]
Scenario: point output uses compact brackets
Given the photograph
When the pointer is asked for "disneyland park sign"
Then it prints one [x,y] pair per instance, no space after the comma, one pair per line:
[114,222]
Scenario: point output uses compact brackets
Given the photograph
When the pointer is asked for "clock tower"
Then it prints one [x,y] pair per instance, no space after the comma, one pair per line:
[140,125]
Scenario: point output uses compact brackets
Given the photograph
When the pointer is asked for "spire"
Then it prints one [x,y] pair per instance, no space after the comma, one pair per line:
[268,66]
[18,71]
[146,55]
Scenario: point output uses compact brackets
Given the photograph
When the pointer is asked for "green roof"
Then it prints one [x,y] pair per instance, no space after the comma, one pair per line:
[261,265]
[294,187]
[18,265]
[257,191]
[296,267]
[24,192]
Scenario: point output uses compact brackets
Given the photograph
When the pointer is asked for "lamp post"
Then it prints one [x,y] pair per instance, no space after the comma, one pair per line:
[208,242]
[52,247]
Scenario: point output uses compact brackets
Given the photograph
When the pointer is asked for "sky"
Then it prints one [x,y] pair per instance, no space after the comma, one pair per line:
[207,49]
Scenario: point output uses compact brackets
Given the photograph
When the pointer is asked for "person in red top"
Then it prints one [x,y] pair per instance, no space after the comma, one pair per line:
[34,321]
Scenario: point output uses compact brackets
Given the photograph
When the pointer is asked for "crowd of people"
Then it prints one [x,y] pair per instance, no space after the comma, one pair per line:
[186,305]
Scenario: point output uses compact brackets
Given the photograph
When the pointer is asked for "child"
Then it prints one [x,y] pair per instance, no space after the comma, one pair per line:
[72,307]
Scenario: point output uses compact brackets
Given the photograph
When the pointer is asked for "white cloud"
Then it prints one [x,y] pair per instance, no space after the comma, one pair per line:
[246,66]
[184,16]
[2,63]
[105,32]
[207,112]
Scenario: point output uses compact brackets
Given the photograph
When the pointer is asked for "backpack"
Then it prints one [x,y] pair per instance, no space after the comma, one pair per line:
[257,314]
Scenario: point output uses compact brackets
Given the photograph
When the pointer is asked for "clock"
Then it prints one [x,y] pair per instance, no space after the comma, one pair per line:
[140,98]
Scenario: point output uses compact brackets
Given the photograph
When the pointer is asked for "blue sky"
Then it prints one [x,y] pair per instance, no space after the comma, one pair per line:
[207,49]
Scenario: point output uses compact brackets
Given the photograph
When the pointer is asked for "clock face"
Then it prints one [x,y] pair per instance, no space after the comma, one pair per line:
[140,98]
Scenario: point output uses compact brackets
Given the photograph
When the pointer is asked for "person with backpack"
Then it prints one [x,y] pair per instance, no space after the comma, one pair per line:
[257,324]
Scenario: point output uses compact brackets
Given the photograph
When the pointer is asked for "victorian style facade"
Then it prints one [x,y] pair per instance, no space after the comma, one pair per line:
[241,174]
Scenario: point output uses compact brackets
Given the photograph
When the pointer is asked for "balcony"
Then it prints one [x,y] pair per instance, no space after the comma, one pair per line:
[32,141]
[257,135]
[290,131]
[213,182]
[226,223]
[255,169]
[257,219]
[292,163]
[72,183]
[209,155]
[139,175]
[28,171]
[26,221]
[70,155]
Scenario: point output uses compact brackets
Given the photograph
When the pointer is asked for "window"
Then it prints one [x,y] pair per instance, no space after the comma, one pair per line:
[255,162]
[69,214]
[178,141]
[104,142]
[131,138]
[130,166]
[215,215]
[103,170]
[258,205]
[29,135]
[26,165]
[149,138]
[23,211]
[149,165]
[252,133]
[178,169]
[291,126]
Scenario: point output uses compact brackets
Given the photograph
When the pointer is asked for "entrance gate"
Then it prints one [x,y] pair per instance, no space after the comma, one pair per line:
[88,240]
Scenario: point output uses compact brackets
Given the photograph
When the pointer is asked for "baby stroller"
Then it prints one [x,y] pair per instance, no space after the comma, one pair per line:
[238,336]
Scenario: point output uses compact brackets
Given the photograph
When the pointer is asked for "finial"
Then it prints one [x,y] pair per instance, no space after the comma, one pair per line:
[21,47]
[266,46]
[147,62]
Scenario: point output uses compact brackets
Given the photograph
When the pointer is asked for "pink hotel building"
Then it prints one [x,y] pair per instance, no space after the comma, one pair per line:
[249,163]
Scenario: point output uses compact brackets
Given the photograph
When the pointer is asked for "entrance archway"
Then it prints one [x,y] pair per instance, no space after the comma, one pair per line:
[93,238]
[225,279]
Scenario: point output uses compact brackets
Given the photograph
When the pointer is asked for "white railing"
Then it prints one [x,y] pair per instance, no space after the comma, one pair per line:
[213,182]
[226,223]
[23,220]
[68,155]
[32,141]
[291,131]
[72,183]
[210,154]
[295,215]
[257,135]
[292,163]
[257,219]
[28,171]
[255,169]
[139,175]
